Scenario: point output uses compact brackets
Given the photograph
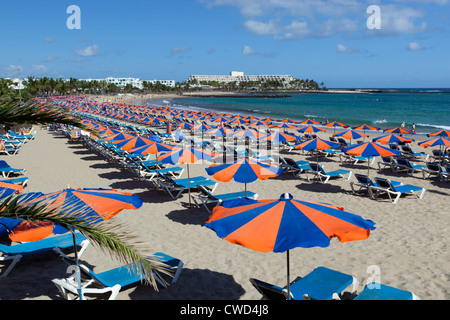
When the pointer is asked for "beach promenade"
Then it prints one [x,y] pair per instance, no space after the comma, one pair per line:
[409,246]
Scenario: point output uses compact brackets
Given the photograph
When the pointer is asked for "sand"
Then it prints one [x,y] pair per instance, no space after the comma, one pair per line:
[408,246]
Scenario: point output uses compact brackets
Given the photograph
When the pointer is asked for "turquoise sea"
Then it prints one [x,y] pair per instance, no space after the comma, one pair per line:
[428,109]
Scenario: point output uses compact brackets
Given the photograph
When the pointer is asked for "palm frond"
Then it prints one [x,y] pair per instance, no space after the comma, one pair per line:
[115,240]
[12,112]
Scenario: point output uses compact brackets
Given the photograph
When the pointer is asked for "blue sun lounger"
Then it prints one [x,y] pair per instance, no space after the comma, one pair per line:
[6,169]
[113,280]
[320,172]
[321,284]
[174,187]
[56,243]
[378,291]
[206,197]
[364,182]
[386,186]
[408,166]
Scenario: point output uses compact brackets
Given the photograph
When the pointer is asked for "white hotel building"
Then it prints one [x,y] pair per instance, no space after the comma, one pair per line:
[135,82]
[237,76]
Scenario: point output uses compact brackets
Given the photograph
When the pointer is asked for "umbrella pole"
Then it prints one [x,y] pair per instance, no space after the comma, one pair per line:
[189,185]
[245,189]
[77,265]
[288,274]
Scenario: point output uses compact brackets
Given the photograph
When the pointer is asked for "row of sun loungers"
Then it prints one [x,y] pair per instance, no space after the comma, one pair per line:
[328,284]
[14,141]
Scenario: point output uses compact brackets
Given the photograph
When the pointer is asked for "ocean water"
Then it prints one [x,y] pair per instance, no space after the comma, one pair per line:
[429,109]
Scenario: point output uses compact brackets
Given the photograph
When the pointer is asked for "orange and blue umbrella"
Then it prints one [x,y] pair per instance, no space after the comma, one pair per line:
[317,144]
[310,129]
[335,124]
[392,138]
[186,155]
[250,133]
[283,224]
[400,130]
[435,142]
[133,143]
[442,133]
[350,134]
[243,171]
[222,131]
[121,136]
[279,137]
[7,189]
[184,125]
[153,148]
[365,127]
[91,205]
[309,121]
[370,149]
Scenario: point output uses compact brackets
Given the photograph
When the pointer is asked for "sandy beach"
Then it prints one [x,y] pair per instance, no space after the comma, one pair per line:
[409,244]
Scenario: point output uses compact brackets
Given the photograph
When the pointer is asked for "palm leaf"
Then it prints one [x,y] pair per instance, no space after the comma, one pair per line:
[112,239]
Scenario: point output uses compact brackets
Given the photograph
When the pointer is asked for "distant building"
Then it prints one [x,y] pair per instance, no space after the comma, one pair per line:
[168,83]
[238,76]
[135,82]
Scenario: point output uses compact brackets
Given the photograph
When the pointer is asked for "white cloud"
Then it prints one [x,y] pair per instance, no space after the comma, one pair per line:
[344,49]
[89,51]
[413,46]
[49,39]
[401,20]
[39,69]
[247,51]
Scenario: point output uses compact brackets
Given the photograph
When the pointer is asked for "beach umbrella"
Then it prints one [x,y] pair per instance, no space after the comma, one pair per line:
[310,129]
[109,131]
[133,143]
[257,123]
[279,137]
[392,138]
[283,224]
[287,120]
[203,127]
[251,133]
[237,121]
[286,126]
[436,142]
[243,171]
[119,137]
[442,133]
[222,131]
[365,127]
[153,148]
[309,121]
[370,149]
[399,130]
[7,189]
[335,124]
[317,144]
[184,125]
[186,155]
[221,119]
[350,134]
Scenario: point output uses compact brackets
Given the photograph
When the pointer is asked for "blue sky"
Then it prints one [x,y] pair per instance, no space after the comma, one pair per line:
[326,41]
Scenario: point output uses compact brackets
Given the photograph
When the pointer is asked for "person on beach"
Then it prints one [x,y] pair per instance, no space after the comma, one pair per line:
[2,144]
[413,127]
[403,124]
